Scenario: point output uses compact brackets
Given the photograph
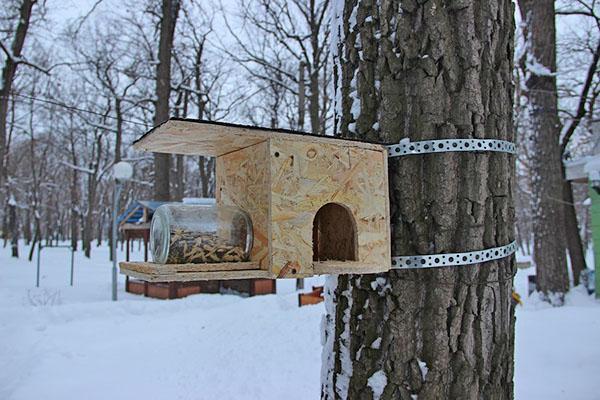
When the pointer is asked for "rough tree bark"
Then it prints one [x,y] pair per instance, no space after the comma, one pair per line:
[548,218]
[429,70]
[162,162]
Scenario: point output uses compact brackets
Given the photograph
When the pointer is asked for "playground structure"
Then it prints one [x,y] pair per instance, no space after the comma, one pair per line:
[64,246]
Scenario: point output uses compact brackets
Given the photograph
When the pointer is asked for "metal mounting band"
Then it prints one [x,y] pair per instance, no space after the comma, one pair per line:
[453,259]
[406,147]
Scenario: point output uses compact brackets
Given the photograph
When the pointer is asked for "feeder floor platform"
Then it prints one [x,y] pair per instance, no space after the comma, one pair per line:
[151,272]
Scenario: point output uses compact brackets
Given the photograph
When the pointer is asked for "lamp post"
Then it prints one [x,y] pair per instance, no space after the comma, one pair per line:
[122,171]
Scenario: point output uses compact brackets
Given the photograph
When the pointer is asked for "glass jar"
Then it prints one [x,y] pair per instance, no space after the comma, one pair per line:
[186,233]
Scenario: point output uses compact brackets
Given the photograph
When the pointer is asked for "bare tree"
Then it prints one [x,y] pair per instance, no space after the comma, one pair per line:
[584,104]
[278,36]
[547,185]
[162,162]
[13,57]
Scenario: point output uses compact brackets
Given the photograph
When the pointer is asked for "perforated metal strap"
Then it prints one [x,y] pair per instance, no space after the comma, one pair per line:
[453,259]
[405,148]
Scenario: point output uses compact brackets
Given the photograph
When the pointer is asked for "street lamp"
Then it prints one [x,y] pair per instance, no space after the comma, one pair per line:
[122,171]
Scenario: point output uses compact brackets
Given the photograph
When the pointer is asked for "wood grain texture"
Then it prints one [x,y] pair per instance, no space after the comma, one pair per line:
[343,267]
[202,138]
[195,276]
[243,181]
[304,177]
[166,269]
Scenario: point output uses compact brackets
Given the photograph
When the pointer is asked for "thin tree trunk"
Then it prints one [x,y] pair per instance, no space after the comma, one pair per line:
[429,70]
[27,227]
[74,220]
[89,221]
[37,237]
[119,138]
[301,96]
[314,73]
[548,217]
[314,102]
[179,175]
[574,245]
[100,229]
[13,227]
[162,162]
[89,217]
[301,108]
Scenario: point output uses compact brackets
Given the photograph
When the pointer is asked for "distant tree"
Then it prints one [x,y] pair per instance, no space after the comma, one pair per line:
[586,93]
[546,162]
[162,162]
[13,57]
[273,39]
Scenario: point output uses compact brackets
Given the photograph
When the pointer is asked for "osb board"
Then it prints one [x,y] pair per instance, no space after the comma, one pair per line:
[306,176]
[197,276]
[214,139]
[243,181]
[165,269]
[343,267]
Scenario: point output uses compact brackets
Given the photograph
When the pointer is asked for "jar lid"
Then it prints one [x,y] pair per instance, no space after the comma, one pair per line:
[160,235]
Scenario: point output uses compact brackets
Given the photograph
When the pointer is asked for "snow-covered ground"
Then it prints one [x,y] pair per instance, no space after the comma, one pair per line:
[62,342]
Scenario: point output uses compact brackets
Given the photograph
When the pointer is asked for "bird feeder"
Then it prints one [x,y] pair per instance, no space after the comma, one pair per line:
[317,204]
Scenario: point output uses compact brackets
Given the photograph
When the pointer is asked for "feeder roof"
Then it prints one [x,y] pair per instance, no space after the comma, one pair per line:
[208,138]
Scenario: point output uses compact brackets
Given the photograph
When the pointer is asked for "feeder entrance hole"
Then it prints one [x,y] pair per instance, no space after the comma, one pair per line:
[334,234]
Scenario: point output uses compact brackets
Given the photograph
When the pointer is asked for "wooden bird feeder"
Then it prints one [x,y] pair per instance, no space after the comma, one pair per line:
[318,204]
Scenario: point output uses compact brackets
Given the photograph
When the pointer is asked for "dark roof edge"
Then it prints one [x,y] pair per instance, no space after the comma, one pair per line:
[232,125]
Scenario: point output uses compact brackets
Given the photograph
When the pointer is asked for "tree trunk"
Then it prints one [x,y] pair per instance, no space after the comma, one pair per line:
[27,227]
[13,227]
[37,237]
[89,217]
[162,162]
[314,102]
[119,138]
[572,235]
[301,107]
[74,219]
[548,211]
[429,70]
[179,178]
[301,96]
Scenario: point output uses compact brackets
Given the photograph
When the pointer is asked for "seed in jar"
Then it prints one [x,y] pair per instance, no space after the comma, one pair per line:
[200,247]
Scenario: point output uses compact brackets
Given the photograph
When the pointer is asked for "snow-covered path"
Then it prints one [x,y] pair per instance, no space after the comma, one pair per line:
[59,342]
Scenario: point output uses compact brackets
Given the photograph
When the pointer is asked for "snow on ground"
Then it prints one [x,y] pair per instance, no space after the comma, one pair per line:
[58,342]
